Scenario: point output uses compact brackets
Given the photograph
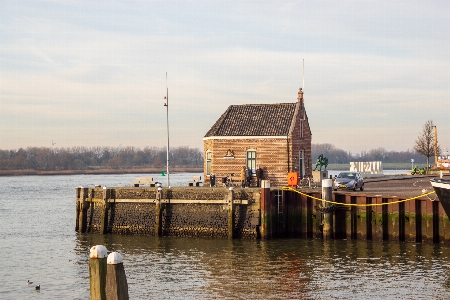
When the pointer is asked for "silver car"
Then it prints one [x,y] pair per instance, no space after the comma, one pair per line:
[349,180]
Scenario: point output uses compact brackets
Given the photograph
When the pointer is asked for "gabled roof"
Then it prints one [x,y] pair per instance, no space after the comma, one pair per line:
[254,120]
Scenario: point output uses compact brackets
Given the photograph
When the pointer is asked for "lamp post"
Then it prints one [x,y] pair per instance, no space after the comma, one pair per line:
[435,148]
[167,119]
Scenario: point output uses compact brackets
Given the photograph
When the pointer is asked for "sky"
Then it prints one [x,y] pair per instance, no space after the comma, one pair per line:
[93,73]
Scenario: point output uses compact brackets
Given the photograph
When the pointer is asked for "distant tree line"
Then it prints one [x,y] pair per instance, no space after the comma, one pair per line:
[83,158]
[339,156]
[424,147]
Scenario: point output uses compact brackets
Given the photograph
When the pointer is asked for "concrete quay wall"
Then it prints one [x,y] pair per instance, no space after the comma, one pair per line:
[190,212]
[253,213]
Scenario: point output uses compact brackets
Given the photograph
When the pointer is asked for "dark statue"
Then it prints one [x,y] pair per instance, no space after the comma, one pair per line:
[321,161]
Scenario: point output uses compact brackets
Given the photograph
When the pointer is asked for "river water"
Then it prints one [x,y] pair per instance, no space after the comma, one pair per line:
[38,243]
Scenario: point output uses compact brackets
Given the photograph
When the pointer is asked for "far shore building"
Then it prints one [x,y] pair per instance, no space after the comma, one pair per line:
[273,137]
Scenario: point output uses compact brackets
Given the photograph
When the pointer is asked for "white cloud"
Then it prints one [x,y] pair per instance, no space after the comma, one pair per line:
[85,72]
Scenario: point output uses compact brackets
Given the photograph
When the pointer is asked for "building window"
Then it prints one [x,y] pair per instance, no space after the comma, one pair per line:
[301,125]
[301,128]
[208,162]
[301,163]
[251,160]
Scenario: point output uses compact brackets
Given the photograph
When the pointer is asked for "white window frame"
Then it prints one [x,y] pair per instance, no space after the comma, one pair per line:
[250,162]
[208,162]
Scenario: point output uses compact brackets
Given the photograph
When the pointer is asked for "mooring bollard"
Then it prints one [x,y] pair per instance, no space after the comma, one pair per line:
[327,194]
[116,280]
[97,272]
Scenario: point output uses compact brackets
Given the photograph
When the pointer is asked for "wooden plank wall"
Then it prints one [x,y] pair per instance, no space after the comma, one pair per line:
[420,220]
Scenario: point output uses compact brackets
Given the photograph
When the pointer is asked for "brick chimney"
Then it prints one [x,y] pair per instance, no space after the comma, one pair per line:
[300,96]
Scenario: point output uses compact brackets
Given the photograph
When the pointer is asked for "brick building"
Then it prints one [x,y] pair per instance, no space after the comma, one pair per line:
[274,137]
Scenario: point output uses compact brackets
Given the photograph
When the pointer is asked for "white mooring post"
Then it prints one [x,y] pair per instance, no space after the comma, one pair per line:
[97,272]
[116,280]
[327,194]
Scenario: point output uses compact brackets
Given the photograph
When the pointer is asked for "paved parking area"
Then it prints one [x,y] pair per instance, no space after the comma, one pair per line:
[400,186]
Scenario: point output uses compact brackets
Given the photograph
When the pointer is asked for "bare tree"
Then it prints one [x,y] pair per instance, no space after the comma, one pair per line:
[425,142]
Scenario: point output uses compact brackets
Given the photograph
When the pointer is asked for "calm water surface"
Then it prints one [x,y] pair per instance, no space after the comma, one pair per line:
[38,242]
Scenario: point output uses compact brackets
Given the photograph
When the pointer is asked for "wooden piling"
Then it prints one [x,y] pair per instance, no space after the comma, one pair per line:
[327,194]
[83,207]
[158,213]
[401,221]
[116,280]
[231,208]
[310,220]
[339,218]
[385,219]
[369,218]
[104,219]
[435,208]
[97,272]
[418,205]
[78,209]
[353,219]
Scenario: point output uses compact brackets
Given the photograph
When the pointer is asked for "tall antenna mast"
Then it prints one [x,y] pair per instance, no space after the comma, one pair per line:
[167,108]
[303,76]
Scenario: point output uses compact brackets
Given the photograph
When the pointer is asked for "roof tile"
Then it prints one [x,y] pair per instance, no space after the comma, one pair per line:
[254,120]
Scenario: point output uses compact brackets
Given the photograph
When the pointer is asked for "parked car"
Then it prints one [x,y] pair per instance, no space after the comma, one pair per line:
[349,180]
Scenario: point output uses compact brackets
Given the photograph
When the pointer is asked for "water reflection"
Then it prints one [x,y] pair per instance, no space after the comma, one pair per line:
[39,243]
[180,268]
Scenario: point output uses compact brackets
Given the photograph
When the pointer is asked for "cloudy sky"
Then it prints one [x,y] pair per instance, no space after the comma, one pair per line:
[93,73]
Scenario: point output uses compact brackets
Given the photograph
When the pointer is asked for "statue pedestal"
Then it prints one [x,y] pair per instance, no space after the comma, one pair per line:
[319,176]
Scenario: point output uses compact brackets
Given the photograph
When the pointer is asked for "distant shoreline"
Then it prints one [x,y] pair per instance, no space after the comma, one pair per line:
[333,167]
[98,171]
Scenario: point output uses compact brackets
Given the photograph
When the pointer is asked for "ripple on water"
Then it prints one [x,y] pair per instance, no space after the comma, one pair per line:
[39,243]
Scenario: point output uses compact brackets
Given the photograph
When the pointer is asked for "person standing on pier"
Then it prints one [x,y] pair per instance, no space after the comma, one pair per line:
[249,177]
[259,173]
[243,175]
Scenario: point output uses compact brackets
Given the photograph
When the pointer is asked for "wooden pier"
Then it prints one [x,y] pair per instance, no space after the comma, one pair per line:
[382,212]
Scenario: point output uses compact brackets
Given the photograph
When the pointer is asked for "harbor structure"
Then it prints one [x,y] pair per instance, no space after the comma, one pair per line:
[395,210]
[271,141]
